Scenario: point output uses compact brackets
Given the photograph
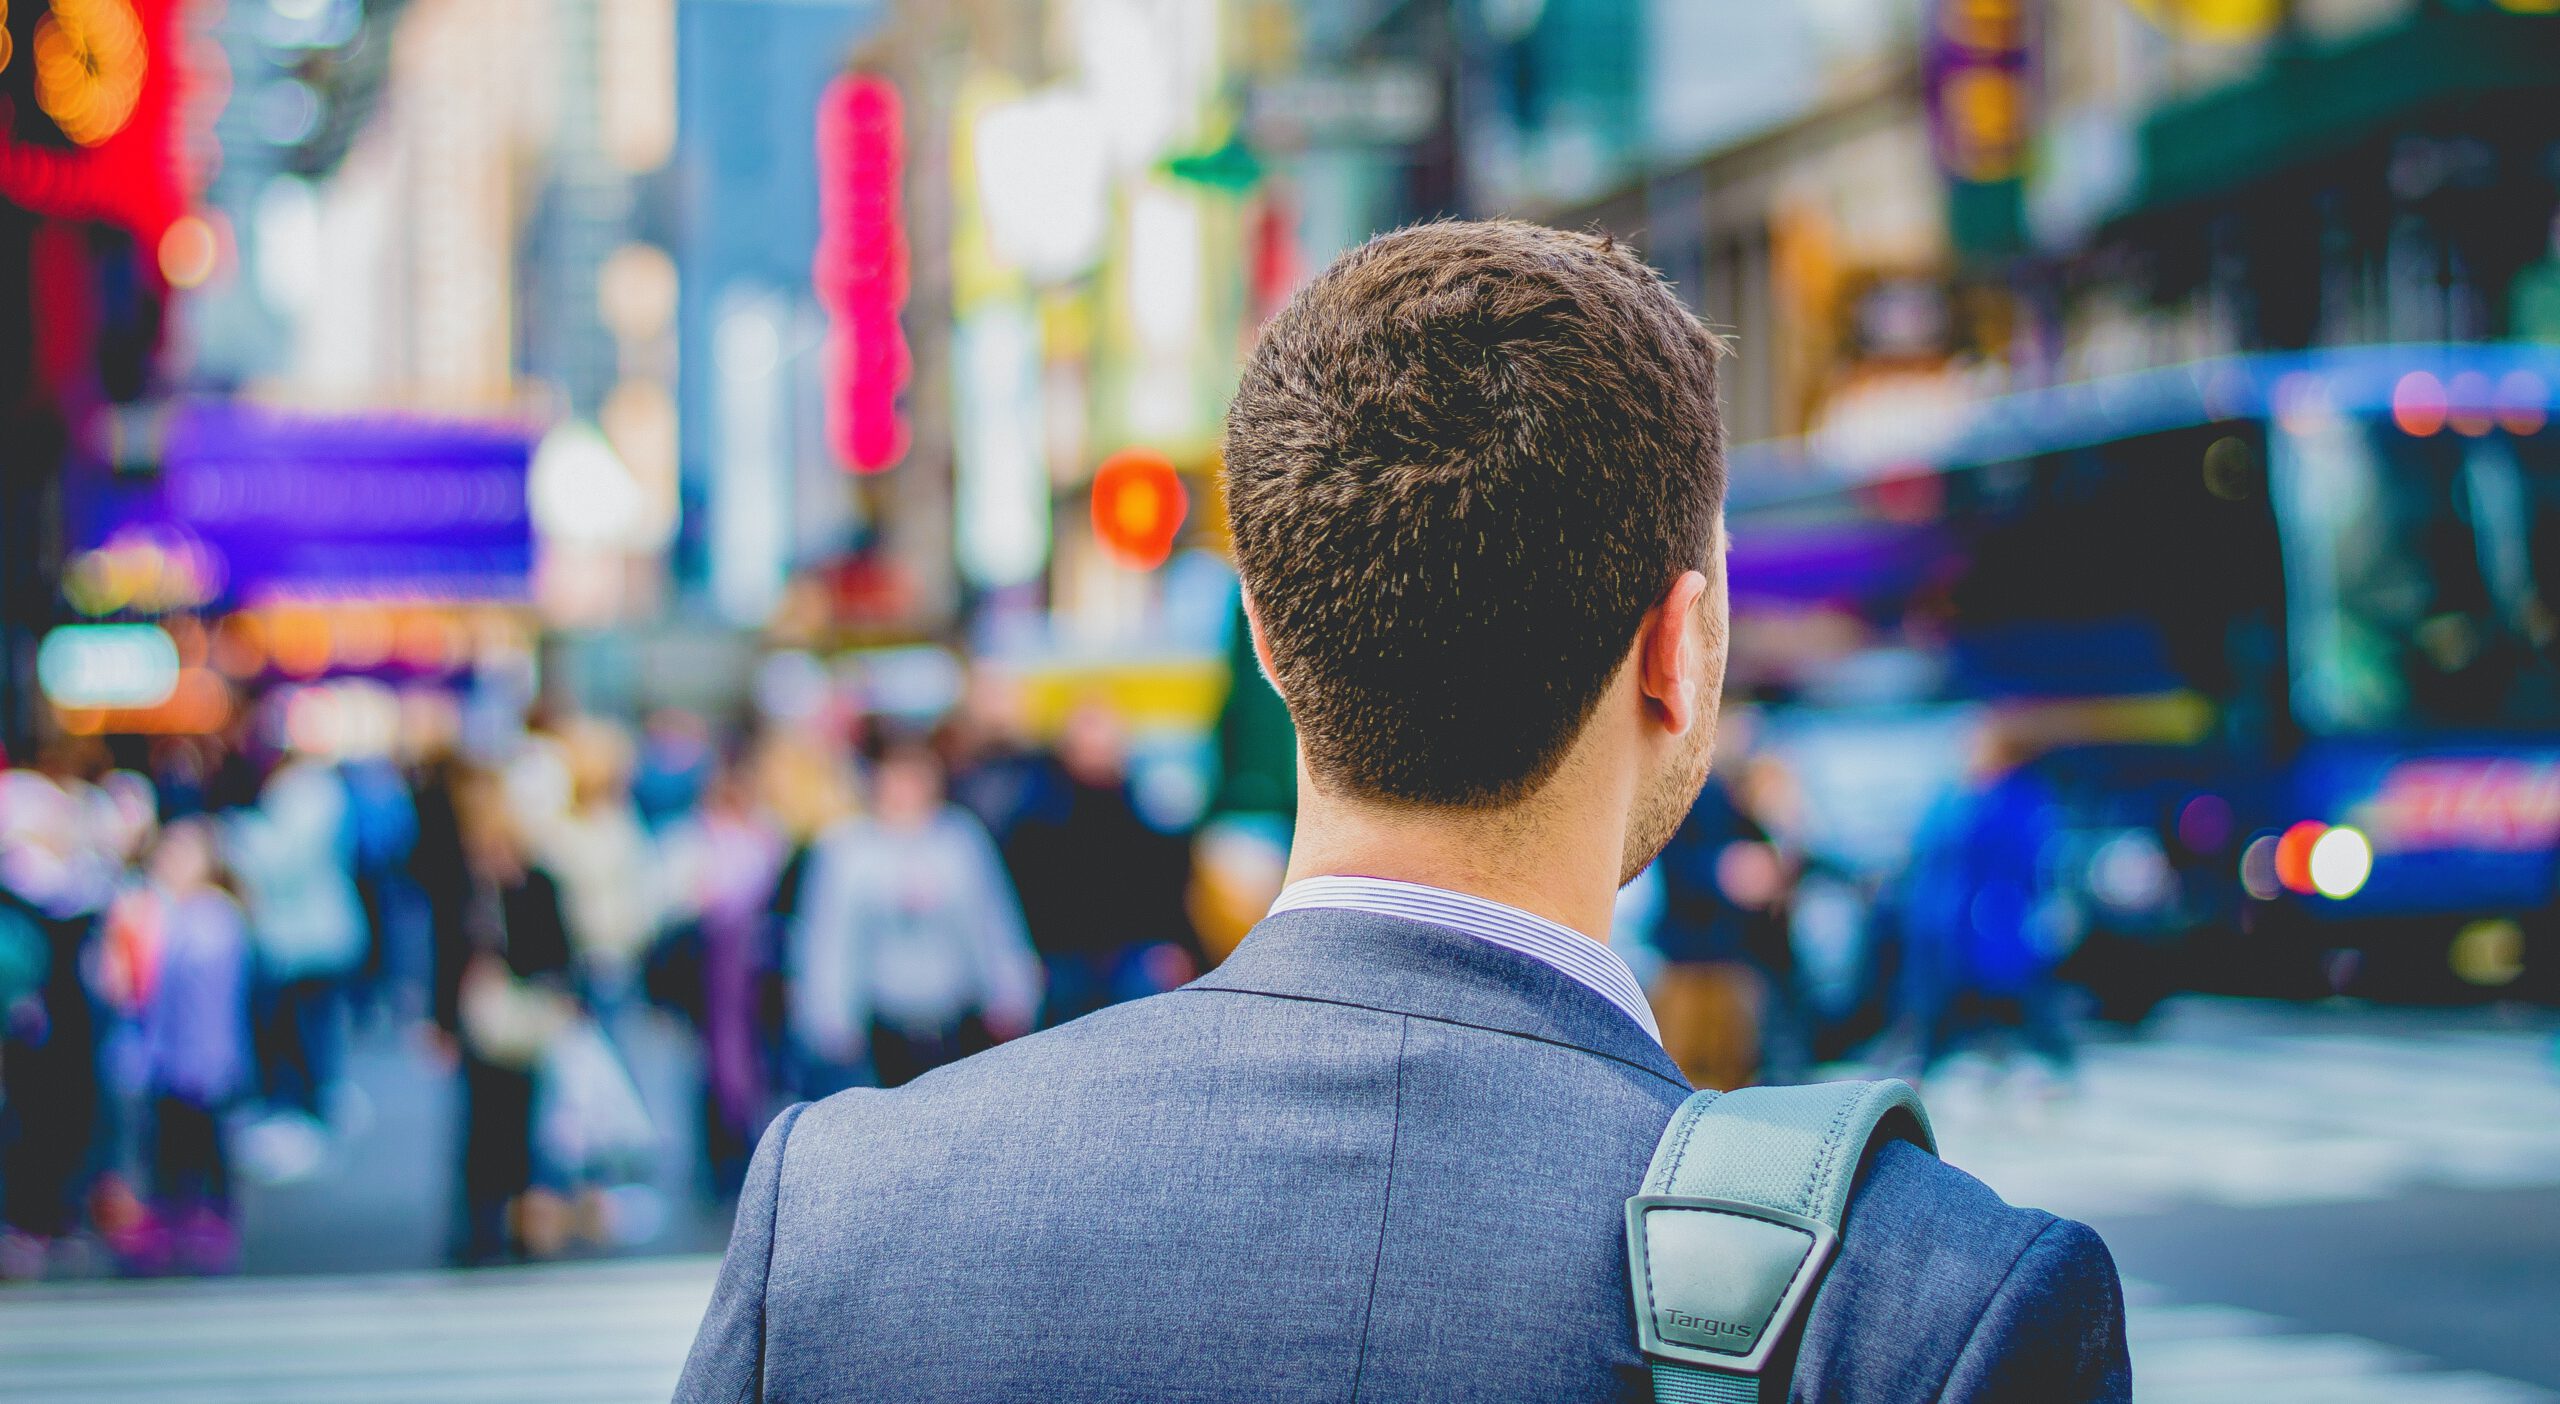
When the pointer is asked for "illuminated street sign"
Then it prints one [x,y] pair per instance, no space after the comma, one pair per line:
[1138,507]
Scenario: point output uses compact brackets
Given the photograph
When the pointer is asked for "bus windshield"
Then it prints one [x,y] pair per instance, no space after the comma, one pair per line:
[2422,576]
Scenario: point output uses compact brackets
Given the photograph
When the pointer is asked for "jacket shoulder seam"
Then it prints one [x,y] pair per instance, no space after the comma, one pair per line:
[1386,1209]
[1682,1087]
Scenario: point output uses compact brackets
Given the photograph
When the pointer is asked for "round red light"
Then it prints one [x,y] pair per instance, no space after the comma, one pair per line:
[1138,507]
[2293,855]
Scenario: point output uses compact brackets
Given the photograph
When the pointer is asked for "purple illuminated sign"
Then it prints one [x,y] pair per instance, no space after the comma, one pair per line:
[1977,69]
[301,506]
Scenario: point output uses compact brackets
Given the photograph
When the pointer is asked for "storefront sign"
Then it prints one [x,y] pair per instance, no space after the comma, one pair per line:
[292,506]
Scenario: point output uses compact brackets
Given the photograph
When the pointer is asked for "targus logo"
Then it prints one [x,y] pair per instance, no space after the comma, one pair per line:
[1702,1325]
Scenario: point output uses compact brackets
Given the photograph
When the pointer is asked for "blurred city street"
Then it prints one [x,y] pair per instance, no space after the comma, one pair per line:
[2311,1204]
[382,1199]
[2387,1237]
[574,573]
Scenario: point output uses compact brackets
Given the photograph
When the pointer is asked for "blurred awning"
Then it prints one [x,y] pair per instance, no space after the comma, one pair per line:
[2312,102]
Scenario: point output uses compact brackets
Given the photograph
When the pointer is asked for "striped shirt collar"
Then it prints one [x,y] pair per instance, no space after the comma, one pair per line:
[1586,961]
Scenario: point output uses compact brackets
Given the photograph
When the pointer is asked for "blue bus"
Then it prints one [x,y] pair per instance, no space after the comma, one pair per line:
[2285,629]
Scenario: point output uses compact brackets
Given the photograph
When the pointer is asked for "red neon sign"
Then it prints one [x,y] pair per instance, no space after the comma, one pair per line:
[135,177]
[860,272]
[2507,804]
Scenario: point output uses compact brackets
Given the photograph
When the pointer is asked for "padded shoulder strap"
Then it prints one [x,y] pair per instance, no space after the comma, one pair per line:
[1739,1217]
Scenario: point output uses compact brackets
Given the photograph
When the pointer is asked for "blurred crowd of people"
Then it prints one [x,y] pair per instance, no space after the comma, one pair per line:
[192,931]
[1959,950]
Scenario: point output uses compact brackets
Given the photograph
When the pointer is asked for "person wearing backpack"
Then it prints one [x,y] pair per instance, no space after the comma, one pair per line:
[1417,1138]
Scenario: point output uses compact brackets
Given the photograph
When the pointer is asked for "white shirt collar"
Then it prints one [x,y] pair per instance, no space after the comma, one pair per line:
[1586,961]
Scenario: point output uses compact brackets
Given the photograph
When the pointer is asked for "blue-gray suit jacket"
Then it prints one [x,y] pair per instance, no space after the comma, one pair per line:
[1365,1159]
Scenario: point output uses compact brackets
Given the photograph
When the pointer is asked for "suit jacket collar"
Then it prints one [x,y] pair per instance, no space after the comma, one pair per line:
[1432,972]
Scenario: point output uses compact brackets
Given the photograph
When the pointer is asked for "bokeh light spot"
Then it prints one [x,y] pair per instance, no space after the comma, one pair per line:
[2523,403]
[2419,404]
[189,249]
[90,59]
[2293,855]
[2340,862]
[2468,407]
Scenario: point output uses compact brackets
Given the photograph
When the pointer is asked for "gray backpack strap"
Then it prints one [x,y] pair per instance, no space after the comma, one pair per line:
[1739,1217]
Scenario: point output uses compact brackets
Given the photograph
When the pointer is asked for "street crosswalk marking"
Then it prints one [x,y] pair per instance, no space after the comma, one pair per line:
[2187,1353]
[616,1333]
[2250,1112]
[600,1333]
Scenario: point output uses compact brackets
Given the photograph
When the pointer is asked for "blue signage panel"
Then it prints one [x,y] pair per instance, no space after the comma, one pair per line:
[2455,825]
[290,505]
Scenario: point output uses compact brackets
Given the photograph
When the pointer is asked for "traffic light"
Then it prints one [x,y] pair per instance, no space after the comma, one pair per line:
[1138,506]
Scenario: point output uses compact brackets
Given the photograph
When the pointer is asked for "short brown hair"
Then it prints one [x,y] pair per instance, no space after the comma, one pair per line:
[1461,465]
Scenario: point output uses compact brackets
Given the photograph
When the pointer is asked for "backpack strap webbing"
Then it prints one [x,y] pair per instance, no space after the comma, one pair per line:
[1739,1217]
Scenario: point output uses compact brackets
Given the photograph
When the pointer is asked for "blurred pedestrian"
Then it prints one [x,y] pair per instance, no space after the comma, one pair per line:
[1718,932]
[1102,889]
[510,996]
[1983,926]
[606,868]
[440,869]
[677,762]
[50,901]
[382,822]
[995,772]
[183,966]
[730,855]
[908,947]
[293,856]
[803,780]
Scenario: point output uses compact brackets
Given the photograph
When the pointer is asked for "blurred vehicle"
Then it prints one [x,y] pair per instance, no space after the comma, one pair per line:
[2284,628]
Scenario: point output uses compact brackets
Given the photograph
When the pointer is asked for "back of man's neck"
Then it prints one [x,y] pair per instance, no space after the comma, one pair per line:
[1545,867]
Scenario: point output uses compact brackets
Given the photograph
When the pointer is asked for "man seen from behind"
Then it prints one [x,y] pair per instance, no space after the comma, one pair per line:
[1476,481]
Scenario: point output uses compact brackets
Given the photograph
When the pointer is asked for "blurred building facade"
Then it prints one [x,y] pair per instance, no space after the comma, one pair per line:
[761,494]
[841,308]
[1968,198]
[1087,224]
[101,168]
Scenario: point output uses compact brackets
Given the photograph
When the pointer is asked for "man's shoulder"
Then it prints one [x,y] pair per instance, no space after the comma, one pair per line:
[1105,1100]
[1943,1289]
[1154,1053]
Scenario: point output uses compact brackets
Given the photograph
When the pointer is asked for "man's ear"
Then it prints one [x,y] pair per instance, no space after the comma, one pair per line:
[1261,645]
[1672,655]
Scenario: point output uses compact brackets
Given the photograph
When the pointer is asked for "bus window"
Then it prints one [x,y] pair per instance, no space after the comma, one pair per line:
[2423,575]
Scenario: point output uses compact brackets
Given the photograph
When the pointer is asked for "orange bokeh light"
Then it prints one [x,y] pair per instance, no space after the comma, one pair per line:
[1138,506]
[190,249]
[298,641]
[90,59]
[2419,404]
[425,640]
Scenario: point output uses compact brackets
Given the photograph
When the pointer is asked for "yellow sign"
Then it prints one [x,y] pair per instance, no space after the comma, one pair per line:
[1174,694]
[2224,21]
